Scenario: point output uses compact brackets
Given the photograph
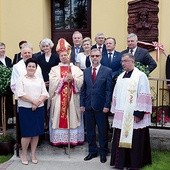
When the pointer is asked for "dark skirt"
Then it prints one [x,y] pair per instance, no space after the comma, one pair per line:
[31,122]
[136,157]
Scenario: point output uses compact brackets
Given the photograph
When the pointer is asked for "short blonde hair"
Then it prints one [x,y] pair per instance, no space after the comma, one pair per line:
[87,39]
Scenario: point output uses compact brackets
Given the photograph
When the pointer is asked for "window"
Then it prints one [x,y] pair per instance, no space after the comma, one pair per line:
[69,16]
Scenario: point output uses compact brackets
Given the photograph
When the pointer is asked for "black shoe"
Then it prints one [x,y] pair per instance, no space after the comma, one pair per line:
[103,158]
[90,156]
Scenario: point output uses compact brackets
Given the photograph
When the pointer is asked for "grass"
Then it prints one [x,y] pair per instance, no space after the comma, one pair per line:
[160,161]
[4,158]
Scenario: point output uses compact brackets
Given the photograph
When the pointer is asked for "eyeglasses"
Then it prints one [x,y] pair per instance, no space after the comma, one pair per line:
[92,56]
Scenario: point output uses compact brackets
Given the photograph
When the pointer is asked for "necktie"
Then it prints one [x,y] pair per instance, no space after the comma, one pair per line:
[110,58]
[88,62]
[100,48]
[131,51]
[77,50]
[94,75]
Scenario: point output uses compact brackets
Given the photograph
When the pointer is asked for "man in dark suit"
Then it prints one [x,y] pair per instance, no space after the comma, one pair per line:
[100,40]
[95,100]
[111,58]
[18,57]
[77,46]
[7,62]
[141,54]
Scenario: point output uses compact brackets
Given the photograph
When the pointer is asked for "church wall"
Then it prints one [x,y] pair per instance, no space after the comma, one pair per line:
[31,20]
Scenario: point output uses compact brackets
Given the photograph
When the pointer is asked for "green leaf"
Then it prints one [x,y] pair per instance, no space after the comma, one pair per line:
[142,68]
[5,77]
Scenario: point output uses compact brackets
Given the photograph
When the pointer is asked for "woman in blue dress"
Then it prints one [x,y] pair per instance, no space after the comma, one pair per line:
[31,94]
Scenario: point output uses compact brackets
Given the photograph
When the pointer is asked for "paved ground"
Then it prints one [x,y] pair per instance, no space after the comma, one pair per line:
[54,158]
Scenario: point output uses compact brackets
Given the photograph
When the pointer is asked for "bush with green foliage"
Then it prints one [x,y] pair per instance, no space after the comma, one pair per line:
[6,138]
[5,77]
[142,68]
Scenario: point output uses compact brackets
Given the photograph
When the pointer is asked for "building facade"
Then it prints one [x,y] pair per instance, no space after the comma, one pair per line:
[33,20]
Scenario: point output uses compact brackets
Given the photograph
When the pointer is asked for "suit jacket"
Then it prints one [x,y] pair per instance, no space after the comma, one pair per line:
[99,94]
[17,57]
[8,62]
[168,68]
[103,49]
[36,55]
[72,59]
[115,64]
[46,66]
[143,56]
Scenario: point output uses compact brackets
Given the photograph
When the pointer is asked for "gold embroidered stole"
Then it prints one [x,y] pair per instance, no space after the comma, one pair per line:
[128,118]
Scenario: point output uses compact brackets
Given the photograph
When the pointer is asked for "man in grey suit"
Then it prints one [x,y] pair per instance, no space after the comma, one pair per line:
[95,101]
[141,54]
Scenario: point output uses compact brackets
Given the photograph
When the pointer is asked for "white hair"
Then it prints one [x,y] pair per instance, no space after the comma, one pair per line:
[99,34]
[132,35]
[47,41]
[26,45]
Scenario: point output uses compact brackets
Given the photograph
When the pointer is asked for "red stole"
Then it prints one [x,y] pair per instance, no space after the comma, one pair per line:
[65,96]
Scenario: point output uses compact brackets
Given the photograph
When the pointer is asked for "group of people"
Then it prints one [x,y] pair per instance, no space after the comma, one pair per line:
[85,82]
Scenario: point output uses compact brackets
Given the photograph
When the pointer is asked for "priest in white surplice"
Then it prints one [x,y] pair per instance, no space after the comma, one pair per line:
[132,107]
[19,69]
